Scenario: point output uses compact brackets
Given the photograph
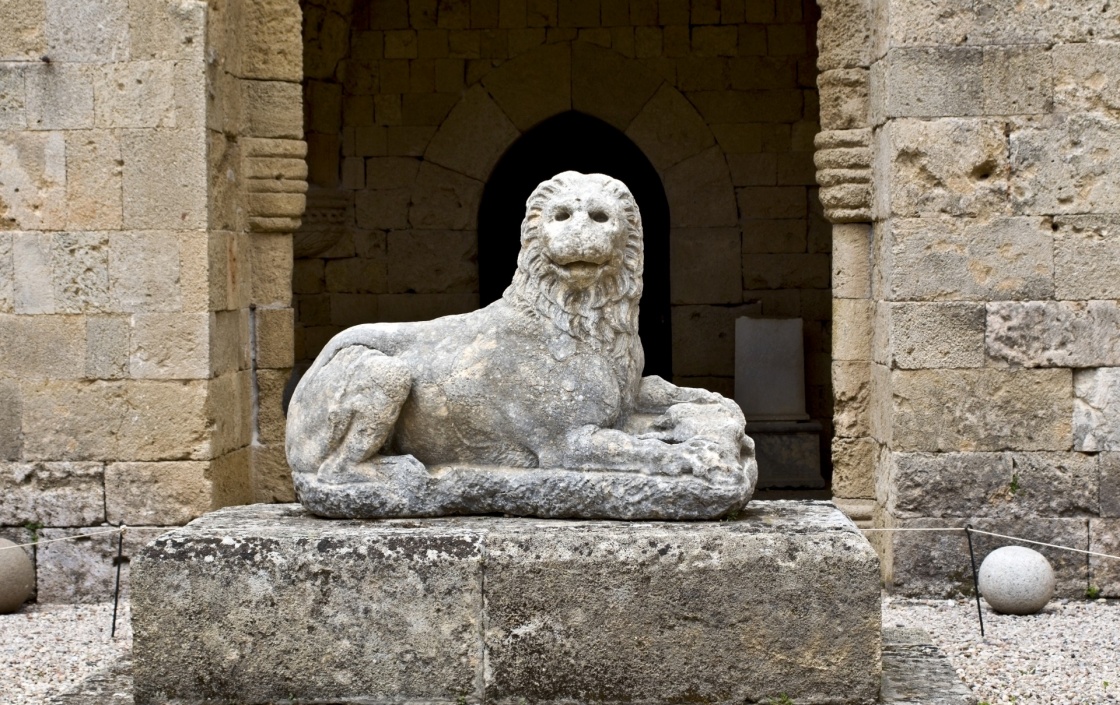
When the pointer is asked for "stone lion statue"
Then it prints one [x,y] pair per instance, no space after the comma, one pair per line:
[534,405]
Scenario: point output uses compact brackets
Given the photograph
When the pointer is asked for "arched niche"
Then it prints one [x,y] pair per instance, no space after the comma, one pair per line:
[578,142]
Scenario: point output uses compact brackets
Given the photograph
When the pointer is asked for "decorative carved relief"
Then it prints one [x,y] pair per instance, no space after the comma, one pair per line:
[275,183]
[324,222]
[843,160]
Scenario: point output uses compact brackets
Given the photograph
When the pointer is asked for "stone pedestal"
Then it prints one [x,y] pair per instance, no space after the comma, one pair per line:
[267,603]
[788,454]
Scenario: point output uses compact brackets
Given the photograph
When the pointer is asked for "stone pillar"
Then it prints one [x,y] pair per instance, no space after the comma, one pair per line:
[129,265]
[994,281]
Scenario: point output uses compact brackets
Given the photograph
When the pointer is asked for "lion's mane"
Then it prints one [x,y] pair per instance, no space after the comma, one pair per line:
[604,315]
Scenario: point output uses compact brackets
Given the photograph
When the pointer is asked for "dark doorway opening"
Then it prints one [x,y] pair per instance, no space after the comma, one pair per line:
[578,142]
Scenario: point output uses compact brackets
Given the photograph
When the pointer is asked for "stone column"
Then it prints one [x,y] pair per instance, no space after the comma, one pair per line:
[995,329]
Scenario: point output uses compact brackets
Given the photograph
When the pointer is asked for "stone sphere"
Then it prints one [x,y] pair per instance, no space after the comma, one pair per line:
[1016,580]
[17,577]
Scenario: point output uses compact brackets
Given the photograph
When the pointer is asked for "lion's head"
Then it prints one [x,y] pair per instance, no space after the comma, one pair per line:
[581,262]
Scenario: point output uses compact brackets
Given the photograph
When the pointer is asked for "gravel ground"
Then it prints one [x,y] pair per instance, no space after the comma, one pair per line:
[1068,654]
[46,650]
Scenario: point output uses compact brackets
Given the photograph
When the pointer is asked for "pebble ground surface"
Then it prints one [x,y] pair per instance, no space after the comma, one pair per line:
[1067,655]
[49,649]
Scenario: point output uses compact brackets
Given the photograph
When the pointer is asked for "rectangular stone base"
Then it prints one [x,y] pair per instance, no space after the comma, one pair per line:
[267,603]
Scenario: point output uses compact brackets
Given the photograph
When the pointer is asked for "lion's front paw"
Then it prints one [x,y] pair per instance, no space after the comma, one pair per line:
[698,456]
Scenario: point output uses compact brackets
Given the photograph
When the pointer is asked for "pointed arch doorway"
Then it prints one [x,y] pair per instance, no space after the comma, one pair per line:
[578,142]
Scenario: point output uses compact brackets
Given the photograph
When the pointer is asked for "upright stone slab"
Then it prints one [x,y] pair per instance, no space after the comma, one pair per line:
[266,603]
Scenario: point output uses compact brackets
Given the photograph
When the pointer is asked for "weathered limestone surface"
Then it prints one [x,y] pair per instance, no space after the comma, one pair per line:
[1096,410]
[1018,485]
[983,409]
[534,405]
[1054,333]
[785,599]
[916,671]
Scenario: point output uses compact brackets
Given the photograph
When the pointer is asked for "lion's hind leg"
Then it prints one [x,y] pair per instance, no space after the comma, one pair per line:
[344,411]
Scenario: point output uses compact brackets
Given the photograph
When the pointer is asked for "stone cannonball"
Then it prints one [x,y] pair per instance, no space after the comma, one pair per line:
[17,577]
[1016,580]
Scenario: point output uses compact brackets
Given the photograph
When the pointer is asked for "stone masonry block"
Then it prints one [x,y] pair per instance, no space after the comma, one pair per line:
[42,347]
[7,274]
[955,166]
[159,30]
[34,187]
[851,389]
[93,180]
[59,96]
[270,410]
[432,261]
[936,564]
[1079,182]
[844,34]
[533,86]
[716,326]
[52,494]
[107,347]
[1110,484]
[1003,485]
[945,259]
[668,129]
[1096,410]
[31,285]
[916,22]
[982,410]
[80,272]
[232,478]
[134,94]
[932,82]
[271,41]
[851,261]
[109,420]
[275,330]
[13,97]
[169,346]
[1018,80]
[144,272]
[609,86]
[699,191]
[851,325]
[1104,573]
[463,144]
[932,335]
[21,30]
[1084,77]
[853,467]
[229,411]
[84,570]
[91,32]
[229,336]
[947,484]
[845,101]
[554,620]
[11,409]
[164,179]
[444,199]
[139,494]
[272,478]
[275,109]
[1087,257]
[1055,333]
[272,269]
[705,266]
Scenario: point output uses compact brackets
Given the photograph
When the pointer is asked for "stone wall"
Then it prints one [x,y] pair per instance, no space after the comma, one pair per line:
[976,355]
[130,351]
[408,106]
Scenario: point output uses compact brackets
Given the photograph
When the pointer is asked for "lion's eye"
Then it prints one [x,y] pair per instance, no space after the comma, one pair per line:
[599,216]
[562,215]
